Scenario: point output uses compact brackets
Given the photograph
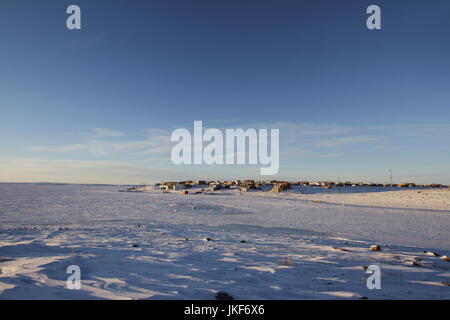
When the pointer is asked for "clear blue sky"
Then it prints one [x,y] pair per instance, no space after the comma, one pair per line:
[97,104]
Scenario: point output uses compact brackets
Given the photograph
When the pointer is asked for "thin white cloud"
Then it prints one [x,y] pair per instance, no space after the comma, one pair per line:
[297,141]
[76,171]
[99,143]
[107,133]
[343,141]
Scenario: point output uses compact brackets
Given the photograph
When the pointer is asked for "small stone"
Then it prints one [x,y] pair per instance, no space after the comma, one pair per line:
[223,296]
[286,262]
[340,249]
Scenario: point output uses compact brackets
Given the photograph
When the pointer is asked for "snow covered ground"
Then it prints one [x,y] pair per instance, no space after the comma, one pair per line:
[255,245]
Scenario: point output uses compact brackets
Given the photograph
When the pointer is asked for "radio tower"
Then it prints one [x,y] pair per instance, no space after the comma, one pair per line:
[390,176]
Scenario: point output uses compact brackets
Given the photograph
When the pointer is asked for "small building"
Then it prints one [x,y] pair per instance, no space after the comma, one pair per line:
[179,186]
[174,186]
[140,188]
[278,187]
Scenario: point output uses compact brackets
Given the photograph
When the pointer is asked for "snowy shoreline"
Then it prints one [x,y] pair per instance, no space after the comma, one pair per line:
[153,245]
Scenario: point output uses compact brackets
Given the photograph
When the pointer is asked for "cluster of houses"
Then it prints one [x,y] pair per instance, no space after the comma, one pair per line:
[203,186]
[330,184]
[209,186]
